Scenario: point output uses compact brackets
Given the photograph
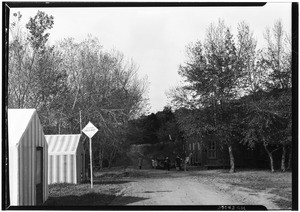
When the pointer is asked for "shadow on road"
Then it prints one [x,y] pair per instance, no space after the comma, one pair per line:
[90,199]
[111,182]
[125,200]
[155,191]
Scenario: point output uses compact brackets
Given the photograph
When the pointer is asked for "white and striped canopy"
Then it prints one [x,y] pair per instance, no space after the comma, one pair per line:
[62,144]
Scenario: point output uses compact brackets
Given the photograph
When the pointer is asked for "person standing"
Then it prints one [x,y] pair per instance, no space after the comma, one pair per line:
[140,162]
[178,162]
[155,163]
[168,163]
[187,159]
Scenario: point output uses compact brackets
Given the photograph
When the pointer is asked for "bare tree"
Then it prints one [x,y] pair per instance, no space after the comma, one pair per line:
[105,87]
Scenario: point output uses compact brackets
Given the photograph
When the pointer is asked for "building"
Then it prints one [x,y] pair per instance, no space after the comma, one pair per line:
[66,159]
[28,158]
[211,154]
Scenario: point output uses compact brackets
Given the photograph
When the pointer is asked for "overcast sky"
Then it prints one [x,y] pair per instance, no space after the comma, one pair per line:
[155,38]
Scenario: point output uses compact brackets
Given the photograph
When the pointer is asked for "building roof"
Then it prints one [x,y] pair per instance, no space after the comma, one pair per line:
[18,121]
[62,144]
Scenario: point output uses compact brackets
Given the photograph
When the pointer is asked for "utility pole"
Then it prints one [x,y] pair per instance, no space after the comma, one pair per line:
[80,122]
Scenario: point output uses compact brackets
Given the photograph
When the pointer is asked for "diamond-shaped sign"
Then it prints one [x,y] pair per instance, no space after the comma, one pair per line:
[90,130]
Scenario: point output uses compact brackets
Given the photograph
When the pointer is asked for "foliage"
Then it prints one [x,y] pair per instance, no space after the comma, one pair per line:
[154,128]
[278,57]
[168,127]
[37,27]
[69,78]
[269,118]
[159,133]
[213,73]
[230,89]
[106,90]
[236,92]
[143,130]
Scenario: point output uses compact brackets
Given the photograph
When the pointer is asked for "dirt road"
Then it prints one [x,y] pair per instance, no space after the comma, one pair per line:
[161,187]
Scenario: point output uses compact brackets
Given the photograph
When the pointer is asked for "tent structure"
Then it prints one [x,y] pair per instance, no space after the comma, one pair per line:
[28,158]
[66,160]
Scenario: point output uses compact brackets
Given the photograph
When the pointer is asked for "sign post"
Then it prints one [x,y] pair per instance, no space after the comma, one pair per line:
[90,131]
[91,163]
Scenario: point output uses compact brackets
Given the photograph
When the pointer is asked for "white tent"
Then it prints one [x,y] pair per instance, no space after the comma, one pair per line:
[28,158]
[66,160]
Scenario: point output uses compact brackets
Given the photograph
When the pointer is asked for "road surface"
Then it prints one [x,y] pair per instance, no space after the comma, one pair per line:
[183,188]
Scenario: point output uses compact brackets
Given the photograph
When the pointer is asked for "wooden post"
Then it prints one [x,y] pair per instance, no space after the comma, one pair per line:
[91,163]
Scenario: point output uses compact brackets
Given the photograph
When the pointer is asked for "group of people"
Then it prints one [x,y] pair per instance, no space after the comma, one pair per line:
[178,163]
[154,163]
[166,163]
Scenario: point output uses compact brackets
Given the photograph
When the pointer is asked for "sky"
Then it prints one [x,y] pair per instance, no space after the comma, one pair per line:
[156,37]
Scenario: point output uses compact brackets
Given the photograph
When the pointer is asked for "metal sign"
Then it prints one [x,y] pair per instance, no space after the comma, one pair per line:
[90,130]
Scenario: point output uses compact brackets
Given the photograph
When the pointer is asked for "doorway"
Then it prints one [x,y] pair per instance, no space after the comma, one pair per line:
[39,175]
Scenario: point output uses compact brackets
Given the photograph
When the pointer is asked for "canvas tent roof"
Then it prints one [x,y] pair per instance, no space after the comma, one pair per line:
[27,149]
[18,120]
[62,144]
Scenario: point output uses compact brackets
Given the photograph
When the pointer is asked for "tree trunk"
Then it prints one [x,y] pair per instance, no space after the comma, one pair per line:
[283,158]
[290,159]
[232,168]
[270,156]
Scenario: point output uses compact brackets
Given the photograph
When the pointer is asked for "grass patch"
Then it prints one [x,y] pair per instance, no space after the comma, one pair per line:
[106,186]
[82,194]
[286,204]
[279,183]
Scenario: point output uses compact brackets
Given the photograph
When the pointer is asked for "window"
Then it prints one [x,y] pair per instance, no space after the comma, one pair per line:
[212,153]
[193,146]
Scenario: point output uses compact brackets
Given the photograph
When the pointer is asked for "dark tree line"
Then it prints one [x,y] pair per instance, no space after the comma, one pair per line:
[159,132]
[160,127]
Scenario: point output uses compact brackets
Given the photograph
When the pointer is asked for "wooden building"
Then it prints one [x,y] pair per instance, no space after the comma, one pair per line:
[211,154]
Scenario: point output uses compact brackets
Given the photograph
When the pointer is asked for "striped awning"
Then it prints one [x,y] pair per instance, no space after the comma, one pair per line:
[62,144]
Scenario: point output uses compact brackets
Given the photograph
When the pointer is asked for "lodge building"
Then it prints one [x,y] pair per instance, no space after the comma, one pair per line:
[211,154]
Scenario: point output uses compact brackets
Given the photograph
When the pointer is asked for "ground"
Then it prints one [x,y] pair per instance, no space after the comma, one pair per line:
[194,187]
